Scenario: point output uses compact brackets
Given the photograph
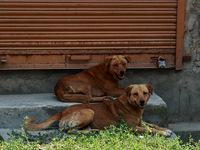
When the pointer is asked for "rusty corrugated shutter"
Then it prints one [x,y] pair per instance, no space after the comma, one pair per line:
[80,33]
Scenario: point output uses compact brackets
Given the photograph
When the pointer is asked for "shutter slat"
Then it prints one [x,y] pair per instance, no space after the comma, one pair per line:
[88,44]
[94,49]
[88,5]
[89,36]
[88,13]
[88,25]
[107,29]
[87,9]
[89,17]
[92,1]
[88,40]
[86,21]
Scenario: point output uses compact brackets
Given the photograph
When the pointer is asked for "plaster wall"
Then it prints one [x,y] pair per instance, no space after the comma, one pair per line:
[179,89]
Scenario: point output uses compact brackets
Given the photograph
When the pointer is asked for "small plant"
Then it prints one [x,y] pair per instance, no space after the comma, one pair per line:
[113,137]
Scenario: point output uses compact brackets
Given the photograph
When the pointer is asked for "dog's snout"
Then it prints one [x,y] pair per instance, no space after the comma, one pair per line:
[142,102]
[122,72]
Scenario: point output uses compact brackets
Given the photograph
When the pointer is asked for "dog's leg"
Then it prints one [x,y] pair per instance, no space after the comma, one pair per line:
[77,92]
[166,131]
[116,92]
[79,98]
[98,99]
[143,130]
[82,131]
[76,120]
[101,99]
[151,131]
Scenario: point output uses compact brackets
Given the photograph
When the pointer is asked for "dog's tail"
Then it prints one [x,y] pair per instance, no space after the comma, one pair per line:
[42,125]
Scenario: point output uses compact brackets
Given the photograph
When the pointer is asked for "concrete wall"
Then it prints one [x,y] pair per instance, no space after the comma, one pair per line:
[179,89]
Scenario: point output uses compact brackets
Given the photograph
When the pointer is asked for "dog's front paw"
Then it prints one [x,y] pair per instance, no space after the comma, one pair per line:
[167,133]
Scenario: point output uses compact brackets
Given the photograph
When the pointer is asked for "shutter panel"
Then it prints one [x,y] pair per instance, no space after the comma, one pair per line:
[80,33]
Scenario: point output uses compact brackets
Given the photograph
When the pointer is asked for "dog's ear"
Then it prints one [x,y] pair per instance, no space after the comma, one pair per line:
[128,58]
[150,88]
[107,61]
[128,90]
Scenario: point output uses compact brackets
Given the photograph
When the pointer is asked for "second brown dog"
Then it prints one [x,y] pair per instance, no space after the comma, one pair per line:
[93,84]
[130,106]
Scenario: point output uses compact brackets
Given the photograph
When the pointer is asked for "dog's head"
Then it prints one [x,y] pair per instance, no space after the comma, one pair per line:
[138,95]
[117,65]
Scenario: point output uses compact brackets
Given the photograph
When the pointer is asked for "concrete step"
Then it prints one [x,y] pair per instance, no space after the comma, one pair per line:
[14,108]
[186,129]
[5,133]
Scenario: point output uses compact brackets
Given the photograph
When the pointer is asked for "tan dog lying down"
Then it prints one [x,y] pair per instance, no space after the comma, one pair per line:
[129,106]
[93,84]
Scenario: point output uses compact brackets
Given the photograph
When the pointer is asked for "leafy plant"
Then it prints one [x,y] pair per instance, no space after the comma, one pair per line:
[112,138]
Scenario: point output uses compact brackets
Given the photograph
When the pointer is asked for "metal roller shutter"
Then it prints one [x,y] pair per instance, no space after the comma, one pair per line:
[80,33]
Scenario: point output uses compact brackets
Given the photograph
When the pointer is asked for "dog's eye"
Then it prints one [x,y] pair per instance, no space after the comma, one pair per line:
[145,93]
[135,94]
[116,65]
[124,64]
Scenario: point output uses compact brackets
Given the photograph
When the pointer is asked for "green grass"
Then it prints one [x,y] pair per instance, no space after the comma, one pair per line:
[113,138]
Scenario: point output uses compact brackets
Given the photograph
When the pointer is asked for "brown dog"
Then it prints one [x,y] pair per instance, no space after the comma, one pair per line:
[93,84]
[129,106]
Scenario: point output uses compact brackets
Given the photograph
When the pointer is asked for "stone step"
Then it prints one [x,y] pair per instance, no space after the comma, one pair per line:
[186,129]
[14,108]
[5,133]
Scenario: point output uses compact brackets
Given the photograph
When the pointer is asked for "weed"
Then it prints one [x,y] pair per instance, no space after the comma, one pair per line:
[113,138]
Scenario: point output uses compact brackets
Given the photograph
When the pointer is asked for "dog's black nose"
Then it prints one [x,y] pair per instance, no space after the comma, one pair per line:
[122,72]
[142,102]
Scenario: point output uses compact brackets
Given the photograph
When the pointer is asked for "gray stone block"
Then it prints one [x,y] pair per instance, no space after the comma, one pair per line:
[186,130]
[156,111]
[14,108]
